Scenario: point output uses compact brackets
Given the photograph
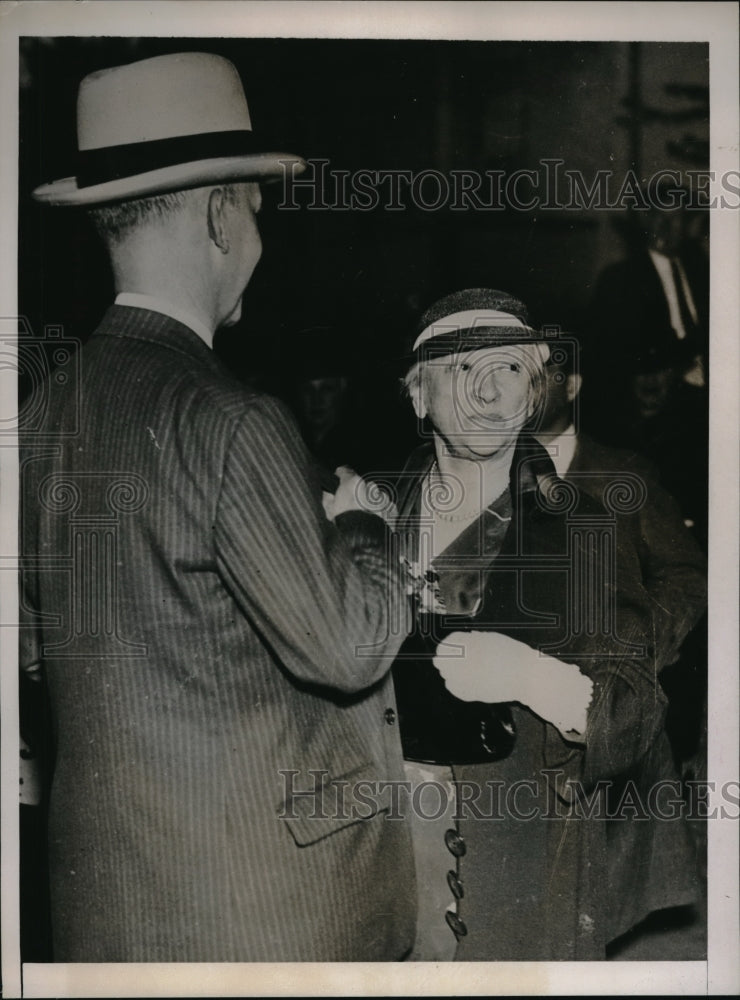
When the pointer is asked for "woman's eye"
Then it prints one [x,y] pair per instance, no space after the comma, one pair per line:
[464,366]
[515,367]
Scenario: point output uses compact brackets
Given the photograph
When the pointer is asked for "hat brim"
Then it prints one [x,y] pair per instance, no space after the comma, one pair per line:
[261,167]
[478,338]
[483,339]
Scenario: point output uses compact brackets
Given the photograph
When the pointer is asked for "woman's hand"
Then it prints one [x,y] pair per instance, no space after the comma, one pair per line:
[492,667]
[356,493]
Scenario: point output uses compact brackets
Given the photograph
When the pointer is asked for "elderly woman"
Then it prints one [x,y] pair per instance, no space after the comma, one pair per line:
[529,682]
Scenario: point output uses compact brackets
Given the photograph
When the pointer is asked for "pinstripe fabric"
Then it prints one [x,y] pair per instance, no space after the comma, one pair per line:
[243,609]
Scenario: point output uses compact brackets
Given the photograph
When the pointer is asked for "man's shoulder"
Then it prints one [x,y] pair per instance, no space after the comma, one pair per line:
[218,403]
[600,459]
[144,337]
[616,477]
[156,356]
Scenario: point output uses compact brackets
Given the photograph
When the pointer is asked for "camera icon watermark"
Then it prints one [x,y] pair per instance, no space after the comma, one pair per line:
[473,386]
[35,371]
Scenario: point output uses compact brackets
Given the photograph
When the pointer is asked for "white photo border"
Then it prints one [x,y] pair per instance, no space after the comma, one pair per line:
[715,23]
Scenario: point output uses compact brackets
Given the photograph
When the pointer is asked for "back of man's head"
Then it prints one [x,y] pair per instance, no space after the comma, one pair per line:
[115,222]
[120,221]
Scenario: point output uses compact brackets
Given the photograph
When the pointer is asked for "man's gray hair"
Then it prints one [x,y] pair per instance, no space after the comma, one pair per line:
[113,223]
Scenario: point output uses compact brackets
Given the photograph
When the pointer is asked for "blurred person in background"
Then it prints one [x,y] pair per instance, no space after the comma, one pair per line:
[321,390]
[648,333]
[673,568]
[673,565]
[662,283]
[345,398]
[647,407]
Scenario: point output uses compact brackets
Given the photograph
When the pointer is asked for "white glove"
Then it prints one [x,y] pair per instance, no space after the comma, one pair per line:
[356,493]
[489,666]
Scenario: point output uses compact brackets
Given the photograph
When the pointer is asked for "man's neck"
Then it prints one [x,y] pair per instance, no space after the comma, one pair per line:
[557,427]
[138,269]
[561,448]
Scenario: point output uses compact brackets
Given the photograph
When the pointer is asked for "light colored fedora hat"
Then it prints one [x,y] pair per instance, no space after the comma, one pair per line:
[163,124]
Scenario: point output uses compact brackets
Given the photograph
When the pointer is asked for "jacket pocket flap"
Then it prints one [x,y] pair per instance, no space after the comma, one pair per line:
[319,805]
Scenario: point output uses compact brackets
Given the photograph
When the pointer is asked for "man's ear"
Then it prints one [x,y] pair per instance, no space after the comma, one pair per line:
[416,391]
[573,385]
[217,219]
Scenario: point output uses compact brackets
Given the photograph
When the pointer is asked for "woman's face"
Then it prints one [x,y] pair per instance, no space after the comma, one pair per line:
[478,401]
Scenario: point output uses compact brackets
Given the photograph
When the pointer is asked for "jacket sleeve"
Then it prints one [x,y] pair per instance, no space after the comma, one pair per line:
[627,711]
[674,572]
[328,598]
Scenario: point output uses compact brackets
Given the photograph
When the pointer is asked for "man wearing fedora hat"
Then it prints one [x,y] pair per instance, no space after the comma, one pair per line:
[216,649]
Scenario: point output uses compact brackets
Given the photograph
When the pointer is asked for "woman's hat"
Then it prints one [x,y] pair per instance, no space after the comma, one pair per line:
[160,125]
[471,320]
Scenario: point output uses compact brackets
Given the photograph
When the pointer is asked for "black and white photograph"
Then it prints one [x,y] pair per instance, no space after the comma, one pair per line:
[369,499]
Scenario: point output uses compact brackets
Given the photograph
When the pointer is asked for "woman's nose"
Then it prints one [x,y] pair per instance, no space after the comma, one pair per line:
[486,388]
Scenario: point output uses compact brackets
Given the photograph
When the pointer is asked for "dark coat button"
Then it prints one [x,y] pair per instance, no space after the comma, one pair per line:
[389,716]
[457,926]
[456,887]
[455,843]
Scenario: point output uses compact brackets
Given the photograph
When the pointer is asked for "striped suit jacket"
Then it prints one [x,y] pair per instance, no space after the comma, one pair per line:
[213,648]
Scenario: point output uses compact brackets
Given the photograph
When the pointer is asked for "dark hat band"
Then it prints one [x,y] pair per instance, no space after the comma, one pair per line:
[112,163]
[476,339]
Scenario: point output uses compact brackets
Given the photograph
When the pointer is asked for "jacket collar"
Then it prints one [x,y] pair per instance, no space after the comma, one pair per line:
[462,569]
[134,323]
[162,305]
[532,469]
